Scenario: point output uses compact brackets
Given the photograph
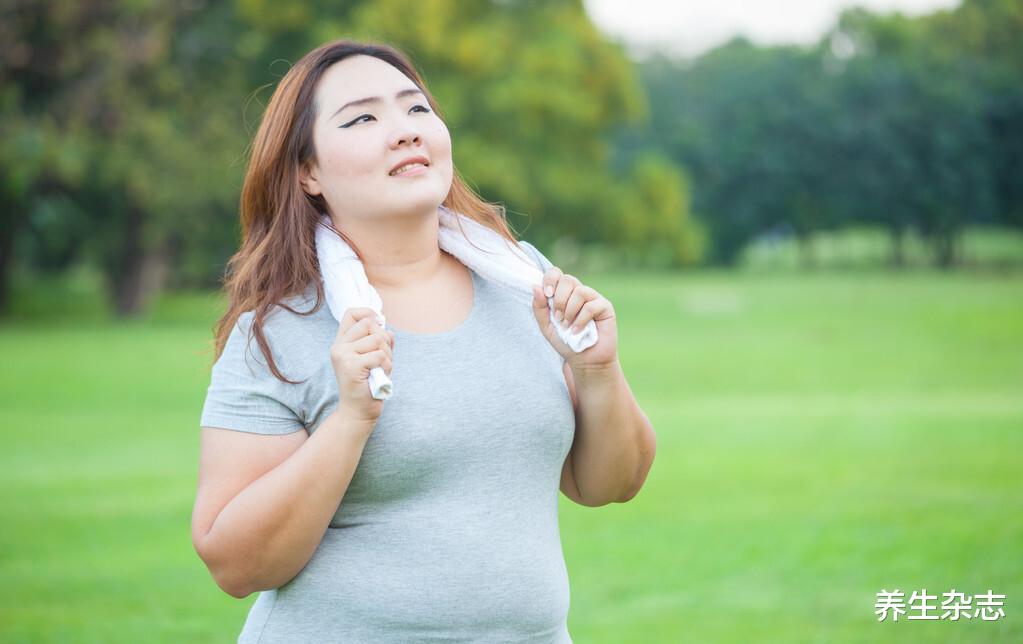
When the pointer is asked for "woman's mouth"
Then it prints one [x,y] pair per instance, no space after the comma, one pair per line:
[409,170]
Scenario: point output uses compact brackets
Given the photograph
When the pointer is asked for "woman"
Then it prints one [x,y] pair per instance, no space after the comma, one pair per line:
[431,515]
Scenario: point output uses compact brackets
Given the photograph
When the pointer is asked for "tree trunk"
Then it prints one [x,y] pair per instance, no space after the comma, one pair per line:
[945,243]
[807,258]
[898,247]
[6,262]
[12,215]
[142,282]
[140,273]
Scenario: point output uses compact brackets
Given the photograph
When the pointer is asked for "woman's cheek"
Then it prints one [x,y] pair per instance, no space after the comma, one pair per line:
[441,145]
[439,132]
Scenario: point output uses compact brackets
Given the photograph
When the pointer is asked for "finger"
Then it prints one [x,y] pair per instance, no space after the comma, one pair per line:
[370,360]
[550,281]
[371,342]
[566,284]
[580,296]
[363,345]
[540,310]
[358,330]
[353,315]
[539,299]
[596,310]
[586,313]
[372,326]
[351,329]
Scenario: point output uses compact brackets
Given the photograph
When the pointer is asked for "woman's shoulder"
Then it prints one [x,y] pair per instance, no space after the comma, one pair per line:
[291,325]
[246,392]
[298,308]
[535,253]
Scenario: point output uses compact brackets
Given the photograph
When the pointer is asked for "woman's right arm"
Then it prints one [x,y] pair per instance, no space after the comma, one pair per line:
[264,502]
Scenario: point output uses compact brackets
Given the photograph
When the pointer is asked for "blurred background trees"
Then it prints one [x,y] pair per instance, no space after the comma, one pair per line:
[910,124]
[125,125]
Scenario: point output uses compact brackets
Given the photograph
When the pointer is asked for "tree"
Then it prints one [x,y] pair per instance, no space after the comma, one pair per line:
[122,127]
[913,132]
[749,124]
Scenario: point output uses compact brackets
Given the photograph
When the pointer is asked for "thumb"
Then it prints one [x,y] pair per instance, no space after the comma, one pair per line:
[540,311]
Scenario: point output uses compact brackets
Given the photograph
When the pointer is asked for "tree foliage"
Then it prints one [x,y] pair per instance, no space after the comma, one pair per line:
[124,127]
[913,124]
[125,123]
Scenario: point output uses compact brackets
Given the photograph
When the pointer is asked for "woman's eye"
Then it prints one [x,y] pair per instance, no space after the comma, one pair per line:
[424,109]
[356,120]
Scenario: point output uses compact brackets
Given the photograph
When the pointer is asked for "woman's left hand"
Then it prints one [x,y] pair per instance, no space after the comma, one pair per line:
[578,304]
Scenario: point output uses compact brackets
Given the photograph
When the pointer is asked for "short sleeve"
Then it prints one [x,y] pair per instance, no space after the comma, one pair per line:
[541,259]
[244,395]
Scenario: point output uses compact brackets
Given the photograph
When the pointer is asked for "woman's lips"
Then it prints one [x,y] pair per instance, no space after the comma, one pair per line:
[412,172]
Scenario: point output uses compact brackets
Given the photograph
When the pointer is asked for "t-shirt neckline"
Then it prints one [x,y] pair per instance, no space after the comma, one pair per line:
[458,330]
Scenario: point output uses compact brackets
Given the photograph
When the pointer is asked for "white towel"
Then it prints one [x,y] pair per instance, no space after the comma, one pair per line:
[493,257]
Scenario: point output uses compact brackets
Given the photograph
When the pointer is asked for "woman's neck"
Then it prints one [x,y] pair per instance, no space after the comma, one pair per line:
[399,251]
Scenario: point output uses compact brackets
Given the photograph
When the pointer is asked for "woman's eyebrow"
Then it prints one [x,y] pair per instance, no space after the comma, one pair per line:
[376,99]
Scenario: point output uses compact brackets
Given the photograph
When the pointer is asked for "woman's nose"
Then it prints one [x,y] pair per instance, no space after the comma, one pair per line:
[405,132]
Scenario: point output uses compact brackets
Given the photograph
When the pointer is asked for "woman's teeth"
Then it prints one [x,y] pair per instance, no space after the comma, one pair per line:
[404,168]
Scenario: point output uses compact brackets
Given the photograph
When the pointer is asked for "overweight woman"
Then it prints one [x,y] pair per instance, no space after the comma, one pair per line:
[432,515]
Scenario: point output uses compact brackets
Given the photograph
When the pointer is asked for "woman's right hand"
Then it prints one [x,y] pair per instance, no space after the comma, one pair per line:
[361,344]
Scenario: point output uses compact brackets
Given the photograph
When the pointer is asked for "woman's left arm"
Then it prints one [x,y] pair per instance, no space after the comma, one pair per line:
[614,440]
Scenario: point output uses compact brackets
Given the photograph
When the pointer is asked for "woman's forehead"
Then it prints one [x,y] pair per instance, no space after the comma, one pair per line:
[359,77]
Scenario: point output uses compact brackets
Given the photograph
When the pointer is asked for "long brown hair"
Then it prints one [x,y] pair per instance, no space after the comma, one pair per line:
[277,258]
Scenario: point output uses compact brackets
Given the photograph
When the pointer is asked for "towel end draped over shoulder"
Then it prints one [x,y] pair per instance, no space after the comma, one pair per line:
[475,245]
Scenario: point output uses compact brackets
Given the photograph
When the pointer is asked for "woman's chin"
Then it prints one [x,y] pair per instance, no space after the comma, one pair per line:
[416,208]
[420,200]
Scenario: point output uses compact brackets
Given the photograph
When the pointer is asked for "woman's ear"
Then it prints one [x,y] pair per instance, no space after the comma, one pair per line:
[307,178]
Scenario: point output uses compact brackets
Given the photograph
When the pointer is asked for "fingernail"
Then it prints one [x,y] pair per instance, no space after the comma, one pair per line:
[557,315]
[548,290]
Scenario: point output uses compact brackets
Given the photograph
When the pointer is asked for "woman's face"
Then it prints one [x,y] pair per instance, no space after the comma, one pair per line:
[357,146]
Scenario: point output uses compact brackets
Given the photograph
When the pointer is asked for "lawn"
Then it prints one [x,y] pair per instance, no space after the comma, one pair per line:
[821,437]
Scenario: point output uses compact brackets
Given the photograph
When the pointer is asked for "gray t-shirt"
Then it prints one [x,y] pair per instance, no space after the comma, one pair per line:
[449,528]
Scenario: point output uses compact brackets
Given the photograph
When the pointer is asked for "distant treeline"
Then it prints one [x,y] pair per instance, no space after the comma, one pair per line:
[911,125]
[124,128]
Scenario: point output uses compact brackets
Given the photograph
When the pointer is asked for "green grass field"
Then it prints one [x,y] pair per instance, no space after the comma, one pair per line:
[820,437]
